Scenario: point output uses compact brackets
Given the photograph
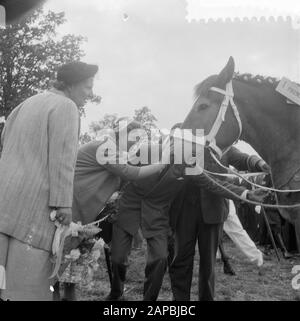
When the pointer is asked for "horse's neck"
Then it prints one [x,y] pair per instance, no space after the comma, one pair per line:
[271,127]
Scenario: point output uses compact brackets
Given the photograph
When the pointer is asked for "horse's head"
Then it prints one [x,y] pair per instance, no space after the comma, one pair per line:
[209,113]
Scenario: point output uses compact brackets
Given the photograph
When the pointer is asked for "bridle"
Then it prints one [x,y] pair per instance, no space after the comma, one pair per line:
[210,139]
[211,145]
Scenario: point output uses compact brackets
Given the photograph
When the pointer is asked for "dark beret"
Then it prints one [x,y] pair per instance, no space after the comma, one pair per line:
[75,72]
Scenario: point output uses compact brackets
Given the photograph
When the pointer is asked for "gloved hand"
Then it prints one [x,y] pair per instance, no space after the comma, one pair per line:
[64,215]
[263,166]
[258,195]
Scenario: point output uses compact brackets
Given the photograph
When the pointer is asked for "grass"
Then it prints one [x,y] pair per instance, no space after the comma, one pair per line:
[272,283]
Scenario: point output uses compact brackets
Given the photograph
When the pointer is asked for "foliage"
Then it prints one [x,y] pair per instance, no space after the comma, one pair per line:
[108,121]
[84,138]
[31,53]
[145,117]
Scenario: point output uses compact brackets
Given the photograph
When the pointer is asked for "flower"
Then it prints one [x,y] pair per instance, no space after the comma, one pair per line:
[96,254]
[74,255]
[99,244]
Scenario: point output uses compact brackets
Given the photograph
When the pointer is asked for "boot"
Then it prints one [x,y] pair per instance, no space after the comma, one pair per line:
[286,254]
[56,293]
[69,292]
[227,268]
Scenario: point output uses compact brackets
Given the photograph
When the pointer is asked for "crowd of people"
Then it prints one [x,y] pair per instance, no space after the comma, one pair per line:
[42,171]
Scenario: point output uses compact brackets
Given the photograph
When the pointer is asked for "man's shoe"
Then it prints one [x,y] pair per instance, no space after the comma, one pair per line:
[227,268]
[288,255]
[111,297]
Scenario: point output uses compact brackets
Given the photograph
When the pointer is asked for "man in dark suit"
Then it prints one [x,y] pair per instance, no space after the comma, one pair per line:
[197,214]
[146,204]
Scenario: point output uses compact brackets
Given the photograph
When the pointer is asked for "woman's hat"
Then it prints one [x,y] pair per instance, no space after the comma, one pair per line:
[75,72]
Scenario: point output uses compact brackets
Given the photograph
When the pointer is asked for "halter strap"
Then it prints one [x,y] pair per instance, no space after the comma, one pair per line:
[228,99]
[210,139]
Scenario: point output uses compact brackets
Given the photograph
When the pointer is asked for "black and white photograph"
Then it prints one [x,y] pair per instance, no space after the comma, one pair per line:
[150,151]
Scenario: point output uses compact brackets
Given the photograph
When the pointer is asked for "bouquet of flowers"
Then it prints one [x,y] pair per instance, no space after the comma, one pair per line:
[76,241]
[66,240]
[83,261]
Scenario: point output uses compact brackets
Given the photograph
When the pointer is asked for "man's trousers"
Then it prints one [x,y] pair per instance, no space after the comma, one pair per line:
[191,228]
[156,262]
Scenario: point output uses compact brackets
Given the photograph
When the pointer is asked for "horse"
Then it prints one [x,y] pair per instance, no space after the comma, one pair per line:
[230,106]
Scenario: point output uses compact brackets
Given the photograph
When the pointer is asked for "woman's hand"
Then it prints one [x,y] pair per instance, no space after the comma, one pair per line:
[64,215]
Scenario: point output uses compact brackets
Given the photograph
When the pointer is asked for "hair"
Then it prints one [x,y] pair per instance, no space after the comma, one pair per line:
[247,78]
[257,80]
[132,124]
[59,85]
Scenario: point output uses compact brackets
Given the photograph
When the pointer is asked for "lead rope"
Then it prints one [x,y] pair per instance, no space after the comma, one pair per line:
[246,200]
[251,183]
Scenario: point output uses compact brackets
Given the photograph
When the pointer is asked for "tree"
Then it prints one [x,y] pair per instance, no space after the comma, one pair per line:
[96,127]
[145,116]
[142,115]
[31,52]
[84,138]
[148,120]
[108,121]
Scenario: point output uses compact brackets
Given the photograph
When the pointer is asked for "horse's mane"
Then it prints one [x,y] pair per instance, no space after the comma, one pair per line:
[257,80]
[248,78]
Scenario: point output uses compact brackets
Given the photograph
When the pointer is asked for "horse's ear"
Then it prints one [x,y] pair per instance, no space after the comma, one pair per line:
[226,74]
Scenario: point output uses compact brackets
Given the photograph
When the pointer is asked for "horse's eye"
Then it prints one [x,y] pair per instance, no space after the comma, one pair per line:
[202,106]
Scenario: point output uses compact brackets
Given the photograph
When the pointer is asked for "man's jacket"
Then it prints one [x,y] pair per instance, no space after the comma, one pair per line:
[146,204]
[214,206]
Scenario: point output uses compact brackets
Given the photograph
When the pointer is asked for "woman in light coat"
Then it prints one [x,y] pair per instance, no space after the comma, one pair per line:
[40,142]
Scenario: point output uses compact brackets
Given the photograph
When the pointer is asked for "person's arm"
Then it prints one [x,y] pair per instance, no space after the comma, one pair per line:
[257,164]
[134,173]
[244,162]
[63,129]
[228,190]
[126,171]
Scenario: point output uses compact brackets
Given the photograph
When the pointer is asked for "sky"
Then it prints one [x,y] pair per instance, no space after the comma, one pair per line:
[151,53]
